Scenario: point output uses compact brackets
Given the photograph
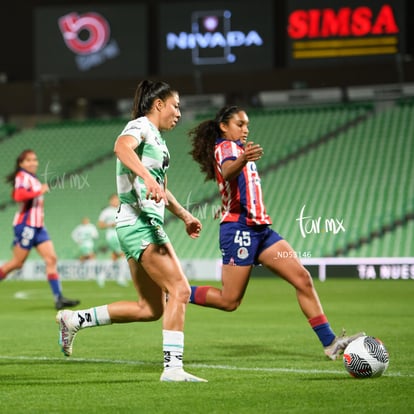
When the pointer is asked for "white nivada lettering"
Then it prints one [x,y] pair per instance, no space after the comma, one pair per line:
[210,40]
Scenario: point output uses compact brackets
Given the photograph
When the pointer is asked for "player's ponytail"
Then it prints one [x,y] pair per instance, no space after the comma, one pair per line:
[204,136]
[203,140]
[145,95]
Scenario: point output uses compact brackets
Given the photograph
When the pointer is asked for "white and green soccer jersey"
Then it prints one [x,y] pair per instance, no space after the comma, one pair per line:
[153,153]
[108,216]
[84,236]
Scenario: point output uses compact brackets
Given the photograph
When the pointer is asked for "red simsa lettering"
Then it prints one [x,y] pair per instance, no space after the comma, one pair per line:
[336,24]
[298,24]
[345,22]
[385,23]
[361,21]
[314,22]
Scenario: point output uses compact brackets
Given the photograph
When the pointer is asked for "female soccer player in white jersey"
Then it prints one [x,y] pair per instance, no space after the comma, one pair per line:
[142,161]
[28,223]
[107,222]
[220,147]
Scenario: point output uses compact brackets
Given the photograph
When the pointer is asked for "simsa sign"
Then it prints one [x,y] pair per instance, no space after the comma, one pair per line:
[331,30]
[215,36]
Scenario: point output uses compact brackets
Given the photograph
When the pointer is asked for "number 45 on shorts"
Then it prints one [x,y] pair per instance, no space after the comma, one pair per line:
[242,238]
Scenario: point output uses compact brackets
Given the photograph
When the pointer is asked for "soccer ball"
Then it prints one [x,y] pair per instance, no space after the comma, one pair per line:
[366,357]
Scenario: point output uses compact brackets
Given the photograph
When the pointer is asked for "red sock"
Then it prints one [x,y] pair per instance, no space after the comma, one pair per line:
[52,276]
[318,320]
[322,328]
[54,282]
[2,274]
[199,294]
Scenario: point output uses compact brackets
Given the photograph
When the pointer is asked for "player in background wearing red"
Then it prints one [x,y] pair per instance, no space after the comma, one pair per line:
[28,223]
[220,147]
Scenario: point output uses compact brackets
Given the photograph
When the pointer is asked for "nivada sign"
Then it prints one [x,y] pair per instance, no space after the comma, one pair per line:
[344,31]
[215,36]
[212,30]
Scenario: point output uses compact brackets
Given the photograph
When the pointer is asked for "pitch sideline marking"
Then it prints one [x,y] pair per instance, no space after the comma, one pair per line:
[195,365]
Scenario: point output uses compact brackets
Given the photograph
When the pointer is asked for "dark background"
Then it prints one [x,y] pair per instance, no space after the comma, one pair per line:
[21,93]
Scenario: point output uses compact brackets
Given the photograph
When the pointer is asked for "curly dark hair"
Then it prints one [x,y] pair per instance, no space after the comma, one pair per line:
[204,136]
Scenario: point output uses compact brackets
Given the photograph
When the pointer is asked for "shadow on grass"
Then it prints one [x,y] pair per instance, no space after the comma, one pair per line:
[42,372]
[41,382]
[251,351]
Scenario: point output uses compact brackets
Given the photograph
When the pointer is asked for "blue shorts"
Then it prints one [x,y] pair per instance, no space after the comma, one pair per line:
[241,245]
[27,236]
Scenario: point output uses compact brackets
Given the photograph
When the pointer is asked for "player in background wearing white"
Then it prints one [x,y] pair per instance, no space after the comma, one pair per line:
[84,235]
[142,162]
[220,147]
[107,222]
[29,227]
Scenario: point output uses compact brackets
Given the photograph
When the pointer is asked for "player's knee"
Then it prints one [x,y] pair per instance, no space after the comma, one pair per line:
[305,279]
[149,312]
[181,293]
[51,260]
[231,305]
[155,314]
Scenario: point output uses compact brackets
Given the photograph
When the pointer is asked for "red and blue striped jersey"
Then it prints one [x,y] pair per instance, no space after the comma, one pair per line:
[241,197]
[27,192]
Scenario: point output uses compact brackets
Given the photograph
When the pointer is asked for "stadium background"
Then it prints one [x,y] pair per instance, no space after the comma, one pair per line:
[338,132]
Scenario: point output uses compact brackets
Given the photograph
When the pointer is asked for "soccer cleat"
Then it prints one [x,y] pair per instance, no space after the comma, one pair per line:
[67,330]
[340,342]
[179,375]
[63,302]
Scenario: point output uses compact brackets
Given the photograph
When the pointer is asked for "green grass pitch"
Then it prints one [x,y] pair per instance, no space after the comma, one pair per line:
[262,358]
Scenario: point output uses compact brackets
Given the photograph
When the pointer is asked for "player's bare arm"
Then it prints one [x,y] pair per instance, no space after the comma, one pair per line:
[124,150]
[192,224]
[232,168]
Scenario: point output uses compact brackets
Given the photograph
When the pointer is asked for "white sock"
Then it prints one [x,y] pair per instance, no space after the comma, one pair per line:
[173,347]
[87,318]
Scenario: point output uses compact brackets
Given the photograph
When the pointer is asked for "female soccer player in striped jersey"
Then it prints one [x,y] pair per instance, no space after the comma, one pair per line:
[28,223]
[220,147]
[142,162]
